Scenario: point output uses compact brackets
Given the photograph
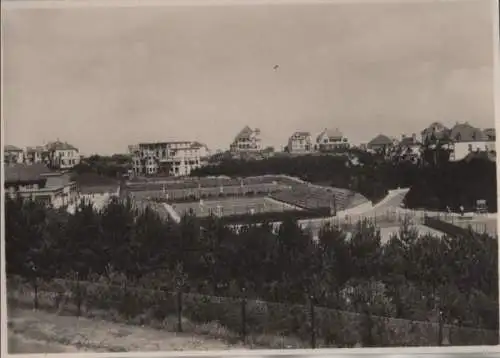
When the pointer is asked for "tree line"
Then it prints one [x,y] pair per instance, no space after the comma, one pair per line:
[410,276]
[435,183]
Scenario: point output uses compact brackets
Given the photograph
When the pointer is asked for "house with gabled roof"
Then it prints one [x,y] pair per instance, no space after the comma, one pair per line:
[247,140]
[331,140]
[467,138]
[12,154]
[63,155]
[381,141]
[37,182]
[300,142]
[434,131]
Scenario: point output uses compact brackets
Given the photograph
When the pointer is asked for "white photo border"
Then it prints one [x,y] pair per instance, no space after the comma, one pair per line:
[465,351]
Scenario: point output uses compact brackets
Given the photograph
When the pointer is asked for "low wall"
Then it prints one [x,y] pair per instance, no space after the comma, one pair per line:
[445,227]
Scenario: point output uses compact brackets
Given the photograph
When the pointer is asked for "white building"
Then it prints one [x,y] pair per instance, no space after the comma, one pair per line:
[63,155]
[38,182]
[300,142]
[13,155]
[168,158]
[468,139]
[247,140]
[331,140]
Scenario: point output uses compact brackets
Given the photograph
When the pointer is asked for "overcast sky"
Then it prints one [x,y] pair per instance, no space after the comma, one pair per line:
[103,78]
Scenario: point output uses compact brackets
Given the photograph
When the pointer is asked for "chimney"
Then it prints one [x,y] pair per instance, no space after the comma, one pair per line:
[414,137]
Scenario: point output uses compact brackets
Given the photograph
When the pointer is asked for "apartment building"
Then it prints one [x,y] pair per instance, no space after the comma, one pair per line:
[331,140]
[13,154]
[247,140]
[168,158]
[300,143]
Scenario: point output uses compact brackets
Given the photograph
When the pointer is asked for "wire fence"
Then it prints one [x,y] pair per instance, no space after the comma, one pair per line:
[256,323]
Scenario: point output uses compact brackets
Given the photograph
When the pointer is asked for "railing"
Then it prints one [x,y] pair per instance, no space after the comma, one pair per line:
[257,323]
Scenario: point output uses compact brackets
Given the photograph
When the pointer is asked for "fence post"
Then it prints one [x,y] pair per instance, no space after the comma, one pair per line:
[440,328]
[78,298]
[313,322]
[243,316]
[179,310]
[35,286]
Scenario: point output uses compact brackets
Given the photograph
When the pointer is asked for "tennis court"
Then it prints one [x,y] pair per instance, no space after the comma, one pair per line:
[232,206]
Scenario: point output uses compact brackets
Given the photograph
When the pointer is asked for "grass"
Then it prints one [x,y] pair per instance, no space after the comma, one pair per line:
[211,324]
[43,332]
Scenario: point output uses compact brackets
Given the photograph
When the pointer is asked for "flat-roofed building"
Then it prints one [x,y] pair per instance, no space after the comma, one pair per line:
[177,158]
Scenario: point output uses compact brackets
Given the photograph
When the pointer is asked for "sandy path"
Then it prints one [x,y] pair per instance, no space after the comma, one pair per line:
[42,332]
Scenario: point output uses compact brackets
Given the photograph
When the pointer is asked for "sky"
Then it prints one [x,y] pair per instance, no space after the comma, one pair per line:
[102,78]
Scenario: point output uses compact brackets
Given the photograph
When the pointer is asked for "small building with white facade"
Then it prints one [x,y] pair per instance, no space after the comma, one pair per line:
[331,140]
[247,140]
[63,155]
[300,143]
[13,154]
[38,182]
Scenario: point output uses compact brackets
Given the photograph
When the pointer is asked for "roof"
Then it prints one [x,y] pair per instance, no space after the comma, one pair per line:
[38,148]
[24,172]
[196,145]
[11,148]
[330,133]
[58,145]
[244,133]
[464,132]
[490,132]
[408,141]
[434,127]
[301,134]
[381,139]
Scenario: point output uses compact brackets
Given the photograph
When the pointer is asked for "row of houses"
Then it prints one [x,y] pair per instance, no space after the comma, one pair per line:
[249,140]
[57,155]
[180,158]
[461,139]
[463,136]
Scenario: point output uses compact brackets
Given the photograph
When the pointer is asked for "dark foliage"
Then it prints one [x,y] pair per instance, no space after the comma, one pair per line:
[435,183]
[409,277]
